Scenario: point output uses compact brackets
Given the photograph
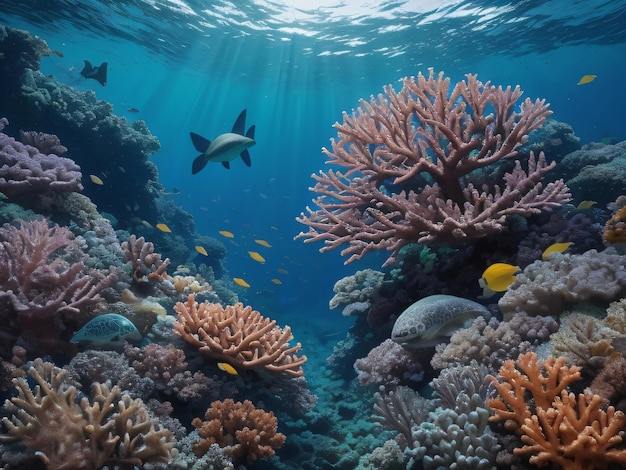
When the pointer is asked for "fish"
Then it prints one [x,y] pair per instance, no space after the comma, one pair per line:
[201,250]
[586,79]
[555,248]
[133,110]
[263,243]
[497,278]
[226,147]
[241,282]
[283,271]
[226,367]
[277,281]
[98,73]
[226,233]
[585,205]
[107,330]
[256,256]
[96,180]
[163,228]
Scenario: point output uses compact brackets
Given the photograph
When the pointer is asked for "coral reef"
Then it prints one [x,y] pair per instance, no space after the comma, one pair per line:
[388,364]
[66,433]
[146,266]
[26,169]
[356,292]
[247,433]
[615,227]
[428,128]
[239,336]
[547,287]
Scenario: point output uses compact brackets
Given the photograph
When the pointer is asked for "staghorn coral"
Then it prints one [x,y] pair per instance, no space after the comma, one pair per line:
[547,287]
[69,434]
[576,434]
[247,433]
[427,140]
[146,266]
[510,405]
[25,169]
[239,336]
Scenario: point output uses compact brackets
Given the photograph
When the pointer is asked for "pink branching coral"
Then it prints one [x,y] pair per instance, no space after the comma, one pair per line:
[146,265]
[427,140]
[247,433]
[35,279]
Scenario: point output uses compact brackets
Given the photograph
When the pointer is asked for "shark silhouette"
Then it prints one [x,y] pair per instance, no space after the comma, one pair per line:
[226,147]
[98,73]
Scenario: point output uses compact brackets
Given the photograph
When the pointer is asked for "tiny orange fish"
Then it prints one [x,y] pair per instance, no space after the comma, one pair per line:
[586,79]
[256,256]
[226,233]
[241,282]
[263,243]
[226,367]
[95,180]
[163,228]
[201,250]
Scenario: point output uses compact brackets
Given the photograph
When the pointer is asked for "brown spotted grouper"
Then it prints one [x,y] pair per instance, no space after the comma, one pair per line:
[431,320]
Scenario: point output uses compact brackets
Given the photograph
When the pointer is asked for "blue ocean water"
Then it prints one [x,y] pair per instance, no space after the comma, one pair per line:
[193,65]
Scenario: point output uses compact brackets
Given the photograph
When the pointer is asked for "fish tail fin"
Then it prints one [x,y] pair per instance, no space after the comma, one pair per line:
[198,164]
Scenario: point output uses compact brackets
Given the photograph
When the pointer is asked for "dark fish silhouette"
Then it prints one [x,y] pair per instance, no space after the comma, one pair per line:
[226,147]
[98,72]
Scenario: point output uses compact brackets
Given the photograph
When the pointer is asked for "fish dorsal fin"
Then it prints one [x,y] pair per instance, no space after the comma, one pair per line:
[200,143]
[226,165]
[86,69]
[250,133]
[240,124]
[245,156]
[198,164]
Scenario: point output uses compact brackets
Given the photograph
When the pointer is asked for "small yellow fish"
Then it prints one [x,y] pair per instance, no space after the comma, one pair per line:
[256,256]
[555,248]
[226,233]
[586,79]
[276,281]
[201,250]
[283,271]
[585,205]
[95,180]
[163,228]
[497,278]
[226,367]
[241,282]
[263,243]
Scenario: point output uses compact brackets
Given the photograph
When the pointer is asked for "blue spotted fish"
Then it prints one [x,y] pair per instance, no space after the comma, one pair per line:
[109,329]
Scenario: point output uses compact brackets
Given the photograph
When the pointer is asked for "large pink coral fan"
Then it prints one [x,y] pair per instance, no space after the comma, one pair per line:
[408,158]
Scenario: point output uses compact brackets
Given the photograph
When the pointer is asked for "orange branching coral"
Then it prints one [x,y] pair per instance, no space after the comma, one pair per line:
[615,228]
[510,406]
[238,335]
[245,431]
[70,434]
[574,434]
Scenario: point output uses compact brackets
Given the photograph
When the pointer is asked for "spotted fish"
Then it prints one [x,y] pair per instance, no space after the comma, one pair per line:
[431,320]
[109,329]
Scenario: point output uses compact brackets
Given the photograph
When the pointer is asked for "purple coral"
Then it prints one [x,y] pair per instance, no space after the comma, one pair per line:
[389,364]
[23,168]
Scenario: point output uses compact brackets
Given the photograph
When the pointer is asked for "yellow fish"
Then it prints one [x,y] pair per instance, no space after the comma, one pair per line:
[226,367]
[201,250]
[283,271]
[226,233]
[586,79]
[256,257]
[276,281]
[163,228]
[95,180]
[497,278]
[263,243]
[585,205]
[241,282]
[555,248]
